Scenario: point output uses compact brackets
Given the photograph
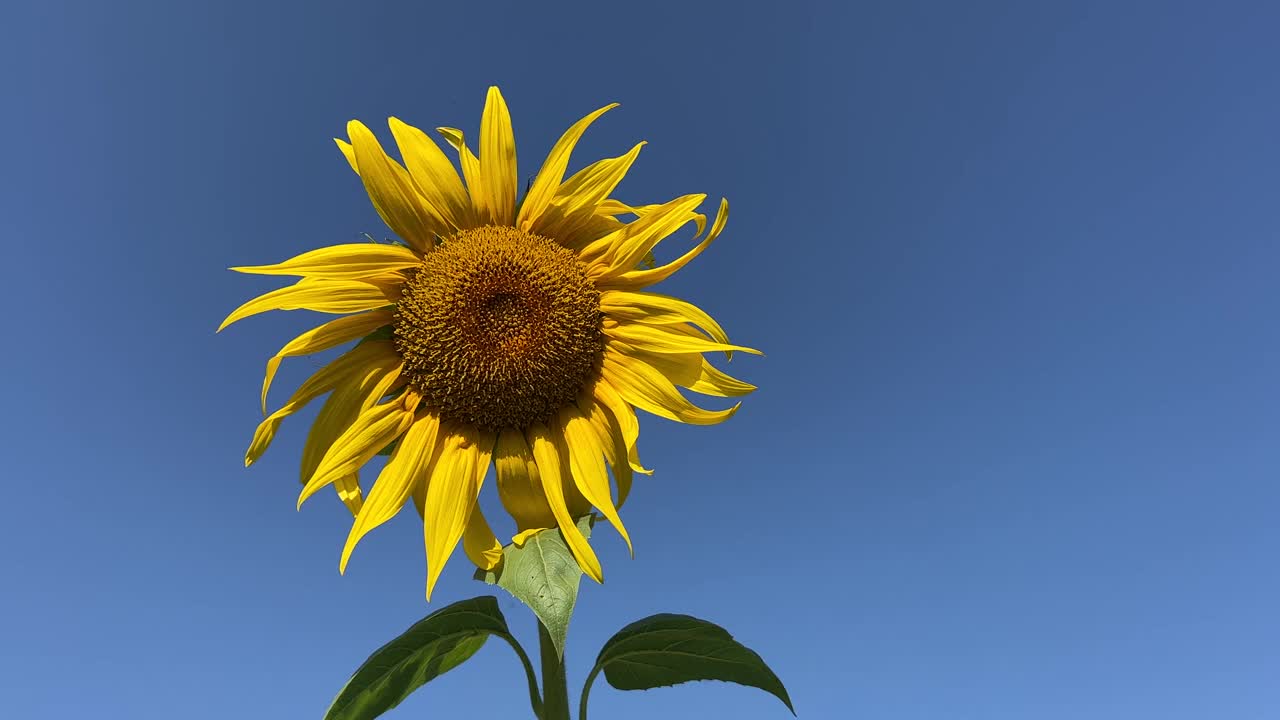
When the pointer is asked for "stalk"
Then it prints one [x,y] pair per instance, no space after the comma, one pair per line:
[555,688]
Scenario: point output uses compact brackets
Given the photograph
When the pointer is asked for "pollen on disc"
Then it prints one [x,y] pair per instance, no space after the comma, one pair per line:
[499,328]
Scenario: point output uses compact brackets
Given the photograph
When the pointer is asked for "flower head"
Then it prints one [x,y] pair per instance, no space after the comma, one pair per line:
[514,334]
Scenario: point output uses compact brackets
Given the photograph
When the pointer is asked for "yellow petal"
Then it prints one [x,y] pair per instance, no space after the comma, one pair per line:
[625,416]
[665,339]
[548,180]
[519,485]
[337,297]
[655,309]
[589,229]
[433,174]
[522,537]
[552,467]
[343,370]
[479,542]
[712,381]
[392,192]
[646,388]
[348,488]
[470,170]
[615,448]
[336,415]
[318,339]
[591,185]
[613,207]
[420,488]
[498,159]
[349,153]
[371,431]
[406,467]
[342,262]
[575,201]
[586,463]
[622,250]
[637,279]
[362,392]
[452,490]
[690,331]
[692,371]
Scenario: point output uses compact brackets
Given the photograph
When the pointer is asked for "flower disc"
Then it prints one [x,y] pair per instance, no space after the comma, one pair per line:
[499,328]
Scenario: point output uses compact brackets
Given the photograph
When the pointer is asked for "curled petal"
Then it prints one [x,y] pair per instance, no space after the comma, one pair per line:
[372,430]
[548,180]
[451,494]
[586,463]
[319,339]
[639,279]
[392,192]
[342,262]
[405,468]
[337,297]
[646,388]
[553,467]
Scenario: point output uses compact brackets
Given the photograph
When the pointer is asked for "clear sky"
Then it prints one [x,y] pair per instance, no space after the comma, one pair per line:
[1013,265]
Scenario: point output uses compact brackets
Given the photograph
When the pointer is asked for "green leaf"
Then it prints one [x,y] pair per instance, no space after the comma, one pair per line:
[543,575]
[432,647]
[668,649]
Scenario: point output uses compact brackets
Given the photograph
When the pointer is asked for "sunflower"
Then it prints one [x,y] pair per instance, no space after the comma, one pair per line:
[517,334]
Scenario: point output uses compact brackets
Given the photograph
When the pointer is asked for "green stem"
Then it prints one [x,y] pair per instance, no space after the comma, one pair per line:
[586,690]
[534,700]
[555,688]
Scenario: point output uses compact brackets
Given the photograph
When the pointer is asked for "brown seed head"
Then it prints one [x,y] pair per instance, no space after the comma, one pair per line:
[499,328]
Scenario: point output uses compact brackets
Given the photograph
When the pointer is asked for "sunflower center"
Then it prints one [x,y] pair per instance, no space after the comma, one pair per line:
[499,328]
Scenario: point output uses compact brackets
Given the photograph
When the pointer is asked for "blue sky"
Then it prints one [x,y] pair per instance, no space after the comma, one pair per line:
[1013,266]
